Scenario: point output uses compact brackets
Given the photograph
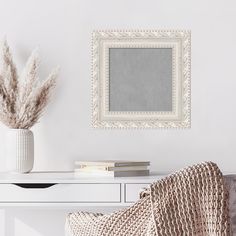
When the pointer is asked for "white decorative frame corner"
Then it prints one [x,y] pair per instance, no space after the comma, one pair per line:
[179,41]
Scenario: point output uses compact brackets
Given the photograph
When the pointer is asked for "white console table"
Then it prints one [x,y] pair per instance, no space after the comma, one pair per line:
[63,189]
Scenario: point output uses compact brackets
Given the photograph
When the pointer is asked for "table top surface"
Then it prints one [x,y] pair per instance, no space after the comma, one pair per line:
[71,177]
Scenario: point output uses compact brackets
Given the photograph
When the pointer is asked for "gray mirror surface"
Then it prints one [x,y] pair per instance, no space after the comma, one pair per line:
[140,79]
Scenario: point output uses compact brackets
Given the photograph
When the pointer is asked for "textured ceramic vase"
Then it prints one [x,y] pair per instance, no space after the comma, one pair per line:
[20,150]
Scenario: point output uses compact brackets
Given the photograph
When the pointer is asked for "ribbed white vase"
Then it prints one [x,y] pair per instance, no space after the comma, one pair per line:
[20,150]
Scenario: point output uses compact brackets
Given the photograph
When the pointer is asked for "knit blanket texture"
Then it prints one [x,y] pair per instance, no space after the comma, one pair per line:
[192,201]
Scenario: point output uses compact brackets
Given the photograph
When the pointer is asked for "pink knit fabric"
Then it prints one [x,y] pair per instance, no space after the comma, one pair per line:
[193,201]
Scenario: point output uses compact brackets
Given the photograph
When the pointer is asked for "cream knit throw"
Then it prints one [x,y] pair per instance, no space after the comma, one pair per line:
[193,201]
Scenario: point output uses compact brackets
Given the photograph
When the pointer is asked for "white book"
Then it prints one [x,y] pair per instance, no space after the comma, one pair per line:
[112,163]
[112,173]
[108,168]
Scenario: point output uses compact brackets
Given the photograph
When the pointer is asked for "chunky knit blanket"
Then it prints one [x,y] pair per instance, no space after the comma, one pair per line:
[193,201]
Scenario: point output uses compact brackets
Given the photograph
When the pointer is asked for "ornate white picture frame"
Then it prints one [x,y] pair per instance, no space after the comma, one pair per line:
[113,50]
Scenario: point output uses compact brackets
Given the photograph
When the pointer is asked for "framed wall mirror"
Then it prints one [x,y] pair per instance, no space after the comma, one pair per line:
[141,79]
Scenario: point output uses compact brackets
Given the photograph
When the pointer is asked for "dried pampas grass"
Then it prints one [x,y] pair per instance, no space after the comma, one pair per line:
[23,98]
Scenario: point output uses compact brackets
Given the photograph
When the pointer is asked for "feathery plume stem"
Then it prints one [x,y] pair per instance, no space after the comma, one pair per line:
[23,100]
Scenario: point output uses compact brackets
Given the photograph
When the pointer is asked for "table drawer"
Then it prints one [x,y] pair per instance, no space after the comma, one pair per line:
[84,193]
[132,191]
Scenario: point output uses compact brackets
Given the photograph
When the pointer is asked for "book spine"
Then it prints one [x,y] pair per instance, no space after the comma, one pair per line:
[132,164]
[113,174]
[79,163]
[91,168]
[131,173]
[110,164]
[107,168]
[94,174]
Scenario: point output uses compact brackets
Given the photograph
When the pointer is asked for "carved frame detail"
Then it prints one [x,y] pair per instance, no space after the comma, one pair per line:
[179,41]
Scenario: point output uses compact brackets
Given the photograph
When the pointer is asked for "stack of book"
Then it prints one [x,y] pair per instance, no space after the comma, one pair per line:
[112,168]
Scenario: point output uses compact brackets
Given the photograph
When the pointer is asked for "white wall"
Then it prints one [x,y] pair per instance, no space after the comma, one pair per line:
[62,30]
